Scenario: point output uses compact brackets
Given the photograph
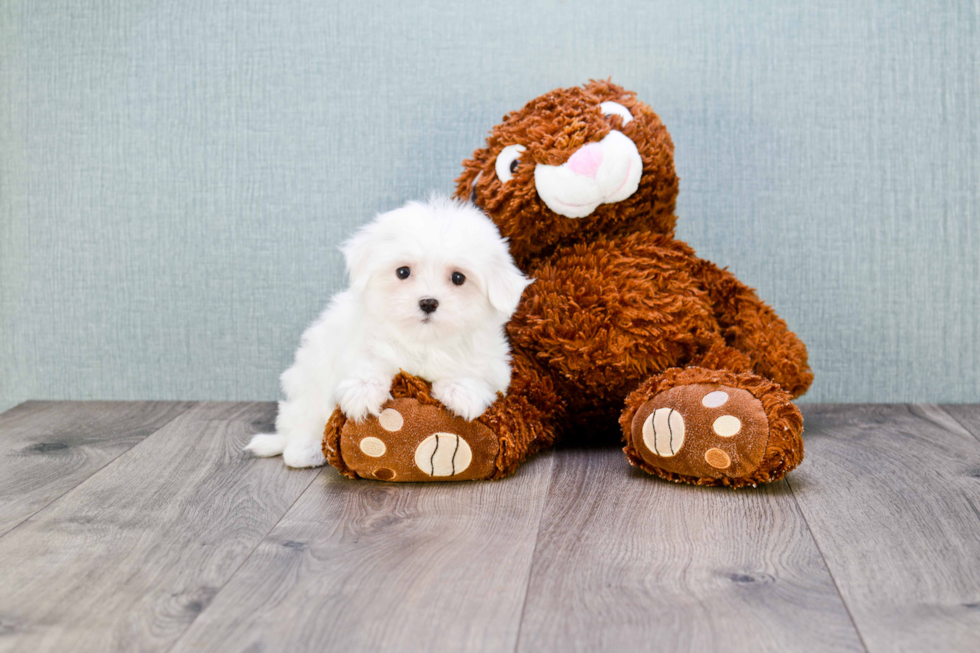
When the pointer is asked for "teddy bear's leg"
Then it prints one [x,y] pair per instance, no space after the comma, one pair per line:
[753,332]
[417,439]
[712,427]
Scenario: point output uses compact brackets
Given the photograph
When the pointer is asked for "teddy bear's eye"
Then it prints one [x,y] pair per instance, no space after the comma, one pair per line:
[617,109]
[506,164]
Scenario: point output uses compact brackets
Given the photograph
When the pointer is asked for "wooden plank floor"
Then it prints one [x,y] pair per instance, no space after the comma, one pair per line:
[142,526]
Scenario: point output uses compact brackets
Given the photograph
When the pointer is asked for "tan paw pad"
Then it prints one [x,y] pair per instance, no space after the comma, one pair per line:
[413,442]
[704,430]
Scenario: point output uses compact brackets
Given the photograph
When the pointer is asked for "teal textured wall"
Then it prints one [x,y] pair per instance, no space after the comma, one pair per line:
[175,177]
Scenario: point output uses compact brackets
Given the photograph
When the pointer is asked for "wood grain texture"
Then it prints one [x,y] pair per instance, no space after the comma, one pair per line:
[892,497]
[179,541]
[628,562]
[125,561]
[47,448]
[968,416]
[367,566]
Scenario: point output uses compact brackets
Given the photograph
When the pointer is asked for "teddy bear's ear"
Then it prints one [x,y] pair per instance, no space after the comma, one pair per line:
[505,284]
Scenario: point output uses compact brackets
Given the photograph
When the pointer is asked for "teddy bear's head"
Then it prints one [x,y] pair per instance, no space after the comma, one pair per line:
[572,164]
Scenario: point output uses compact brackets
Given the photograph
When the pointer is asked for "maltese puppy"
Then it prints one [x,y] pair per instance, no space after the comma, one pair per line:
[431,287]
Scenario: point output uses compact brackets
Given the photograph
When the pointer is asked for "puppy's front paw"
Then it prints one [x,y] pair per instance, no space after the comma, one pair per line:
[467,398]
[361,397]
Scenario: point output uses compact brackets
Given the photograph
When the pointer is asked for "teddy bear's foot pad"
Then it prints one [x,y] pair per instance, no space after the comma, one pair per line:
[409,441]
[704,430]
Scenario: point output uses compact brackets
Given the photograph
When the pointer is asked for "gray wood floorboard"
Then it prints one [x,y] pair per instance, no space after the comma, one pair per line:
[968,416]
[47,448]
[143,526]
[891,496]
[367,566]
[128,559]
[628,562]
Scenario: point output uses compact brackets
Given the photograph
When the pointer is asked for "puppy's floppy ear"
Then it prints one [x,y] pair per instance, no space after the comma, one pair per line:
[357,255]
[505,284]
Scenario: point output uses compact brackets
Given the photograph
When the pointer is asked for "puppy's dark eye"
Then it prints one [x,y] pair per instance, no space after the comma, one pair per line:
[458,278]
[403,272]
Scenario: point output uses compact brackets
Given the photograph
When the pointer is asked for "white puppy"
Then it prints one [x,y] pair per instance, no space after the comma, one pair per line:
[431,287]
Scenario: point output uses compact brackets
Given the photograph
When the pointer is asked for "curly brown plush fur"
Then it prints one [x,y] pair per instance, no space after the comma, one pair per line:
[620,311]
[618,304]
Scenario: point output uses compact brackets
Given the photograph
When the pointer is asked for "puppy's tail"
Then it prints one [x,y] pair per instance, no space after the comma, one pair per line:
[265,445]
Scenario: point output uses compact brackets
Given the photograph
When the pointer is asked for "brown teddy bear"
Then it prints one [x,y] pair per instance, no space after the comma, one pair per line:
[624,324]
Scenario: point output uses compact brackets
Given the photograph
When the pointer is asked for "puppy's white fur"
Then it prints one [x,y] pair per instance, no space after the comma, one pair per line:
[350,355]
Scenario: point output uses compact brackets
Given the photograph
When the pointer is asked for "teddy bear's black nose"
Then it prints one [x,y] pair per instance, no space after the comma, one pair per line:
[429,304]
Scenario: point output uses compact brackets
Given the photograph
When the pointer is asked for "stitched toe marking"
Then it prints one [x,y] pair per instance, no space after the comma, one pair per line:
[373,447]
[727,425]
[714,399]
[390,420]
[717,458]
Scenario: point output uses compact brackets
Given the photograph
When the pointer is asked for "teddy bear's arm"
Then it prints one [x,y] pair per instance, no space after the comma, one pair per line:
[752,327]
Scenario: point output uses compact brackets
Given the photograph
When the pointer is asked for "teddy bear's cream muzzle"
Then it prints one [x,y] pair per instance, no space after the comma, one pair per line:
[597,173]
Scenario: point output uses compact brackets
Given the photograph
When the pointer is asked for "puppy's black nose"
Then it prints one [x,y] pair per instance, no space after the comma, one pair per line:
[429,304]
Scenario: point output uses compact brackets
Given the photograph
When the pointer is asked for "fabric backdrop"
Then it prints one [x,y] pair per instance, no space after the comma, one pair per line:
[175,176]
